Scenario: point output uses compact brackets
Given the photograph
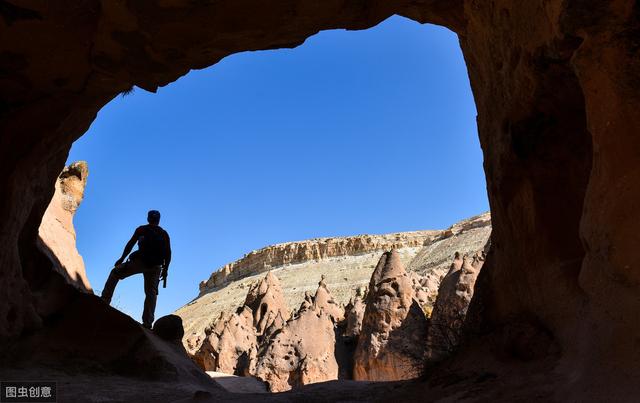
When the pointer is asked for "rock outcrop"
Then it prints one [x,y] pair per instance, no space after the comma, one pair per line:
[354,312]
[427,264]
[230,346]
[57,236]
[450,309]
[391,341]
[300,354]
[284,354]
[382,336]
[266,301]
[261,260]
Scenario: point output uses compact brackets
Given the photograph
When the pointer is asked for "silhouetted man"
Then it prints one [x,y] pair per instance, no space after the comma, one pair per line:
[151,259]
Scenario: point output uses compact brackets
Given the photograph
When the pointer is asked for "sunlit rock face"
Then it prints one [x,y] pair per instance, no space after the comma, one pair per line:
[266,300]
[303,351]
[57,236]
[391,342]
[426,254]
[230,345]
[289,253]
[556,90]
[287,353]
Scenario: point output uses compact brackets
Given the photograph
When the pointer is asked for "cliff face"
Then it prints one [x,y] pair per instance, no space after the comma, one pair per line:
[345,263]
[57,236]
[262,260]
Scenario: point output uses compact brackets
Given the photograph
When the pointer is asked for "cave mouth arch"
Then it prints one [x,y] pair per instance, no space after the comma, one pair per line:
[554,78]
[284,135]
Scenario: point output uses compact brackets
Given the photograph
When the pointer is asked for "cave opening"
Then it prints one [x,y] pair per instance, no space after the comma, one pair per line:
[284,145]
[555,85]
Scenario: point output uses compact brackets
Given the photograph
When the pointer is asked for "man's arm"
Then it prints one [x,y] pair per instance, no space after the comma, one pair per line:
[128,248]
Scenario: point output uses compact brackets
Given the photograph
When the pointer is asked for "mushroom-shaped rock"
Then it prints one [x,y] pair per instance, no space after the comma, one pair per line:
[391,342]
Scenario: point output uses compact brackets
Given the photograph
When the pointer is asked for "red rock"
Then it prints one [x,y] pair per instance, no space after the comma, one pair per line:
[354,312]
[302,352]
[230,346]
[266,300]
[391,342]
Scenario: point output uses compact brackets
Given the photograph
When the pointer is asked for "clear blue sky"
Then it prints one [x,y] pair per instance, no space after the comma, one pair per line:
[353,132]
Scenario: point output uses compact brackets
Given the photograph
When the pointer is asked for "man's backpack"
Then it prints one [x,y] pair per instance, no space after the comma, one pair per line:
[152,245]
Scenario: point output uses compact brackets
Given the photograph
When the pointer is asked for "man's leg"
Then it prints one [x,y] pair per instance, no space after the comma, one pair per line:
[119,272]
[151,280]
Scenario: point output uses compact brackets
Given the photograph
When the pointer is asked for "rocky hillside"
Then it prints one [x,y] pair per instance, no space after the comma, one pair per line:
[346,264]
[379,336]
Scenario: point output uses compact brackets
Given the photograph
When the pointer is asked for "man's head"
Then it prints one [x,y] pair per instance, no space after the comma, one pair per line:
[153,217]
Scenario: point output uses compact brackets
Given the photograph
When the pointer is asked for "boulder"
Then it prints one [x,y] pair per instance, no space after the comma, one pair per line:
[391,342]
[169,328]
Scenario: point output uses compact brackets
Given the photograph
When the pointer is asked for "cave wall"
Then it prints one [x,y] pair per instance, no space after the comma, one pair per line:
[556,84]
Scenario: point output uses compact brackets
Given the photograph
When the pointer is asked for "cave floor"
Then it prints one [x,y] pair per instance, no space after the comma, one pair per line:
[466,380]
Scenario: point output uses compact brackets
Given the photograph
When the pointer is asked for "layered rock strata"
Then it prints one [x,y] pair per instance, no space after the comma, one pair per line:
[278,255]
[57,235]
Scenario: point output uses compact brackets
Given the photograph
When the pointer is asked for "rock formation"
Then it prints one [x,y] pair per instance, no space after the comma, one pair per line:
[555,84]
[57,236]
[354,312]
[391,341]
[230,346]
[266,301]
[264,259]
[303,351]
[427,264]
[284,354]
[450,309]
